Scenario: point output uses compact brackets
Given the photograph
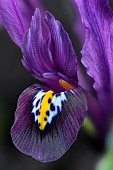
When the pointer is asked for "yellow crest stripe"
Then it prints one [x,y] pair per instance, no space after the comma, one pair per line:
[44,107]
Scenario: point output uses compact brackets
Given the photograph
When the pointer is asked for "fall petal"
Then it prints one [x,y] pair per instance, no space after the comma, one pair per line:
[56,138]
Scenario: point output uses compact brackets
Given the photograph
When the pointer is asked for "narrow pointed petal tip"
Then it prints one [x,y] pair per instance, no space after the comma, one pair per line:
[27,9]
[51,143]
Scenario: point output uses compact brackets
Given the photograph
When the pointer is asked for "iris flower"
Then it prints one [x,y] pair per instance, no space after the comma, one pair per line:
[97,57]
[48,116]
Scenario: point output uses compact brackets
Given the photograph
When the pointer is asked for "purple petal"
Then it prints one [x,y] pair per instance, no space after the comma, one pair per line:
[27,9]
[36,55]
[78,26]
[1,25]
[84,80]
[98,116]
[97,50]
[37,58]
[40,57]
[55,140]
[16,17]
[61,49]
[12,20]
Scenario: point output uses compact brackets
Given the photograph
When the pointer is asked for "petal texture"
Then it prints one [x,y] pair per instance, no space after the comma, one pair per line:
[37,58]
[97,51]
[52,143]
[50,59]
[27,9]
[12,20]
[16,16]
[61,49]
[78,26]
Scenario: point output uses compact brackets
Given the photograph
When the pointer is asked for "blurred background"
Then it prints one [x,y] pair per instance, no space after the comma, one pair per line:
[88,150]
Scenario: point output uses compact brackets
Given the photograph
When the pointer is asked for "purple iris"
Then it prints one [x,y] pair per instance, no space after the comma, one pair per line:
[48,116]
[97,57]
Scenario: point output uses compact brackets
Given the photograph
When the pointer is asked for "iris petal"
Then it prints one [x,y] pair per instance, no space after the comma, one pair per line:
[49,60]
[55,140]
[37,57]
[12,20]
[97,51]
[16,17]
[27,9]
[61,48]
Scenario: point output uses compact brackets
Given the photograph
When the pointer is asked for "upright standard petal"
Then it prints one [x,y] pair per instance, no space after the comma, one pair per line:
[37,58]
[61,49]
[52,142]
[52,59]
[12,20]
[97,51]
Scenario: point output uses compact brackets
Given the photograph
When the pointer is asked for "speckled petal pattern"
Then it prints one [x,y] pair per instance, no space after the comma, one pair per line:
[55,140]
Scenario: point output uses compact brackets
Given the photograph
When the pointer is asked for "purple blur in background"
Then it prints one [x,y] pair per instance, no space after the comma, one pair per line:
[97,19]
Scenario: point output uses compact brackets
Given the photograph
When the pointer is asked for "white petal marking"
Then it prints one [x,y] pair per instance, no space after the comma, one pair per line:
[56,101]
[38,96]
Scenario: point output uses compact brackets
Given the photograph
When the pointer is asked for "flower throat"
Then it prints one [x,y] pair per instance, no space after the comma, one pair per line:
[47,105]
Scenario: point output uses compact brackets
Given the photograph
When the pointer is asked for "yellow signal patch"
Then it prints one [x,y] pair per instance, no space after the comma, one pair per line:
[44,108]
[47,105]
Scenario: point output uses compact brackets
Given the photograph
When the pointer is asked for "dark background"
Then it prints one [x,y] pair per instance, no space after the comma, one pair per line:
[85,151]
